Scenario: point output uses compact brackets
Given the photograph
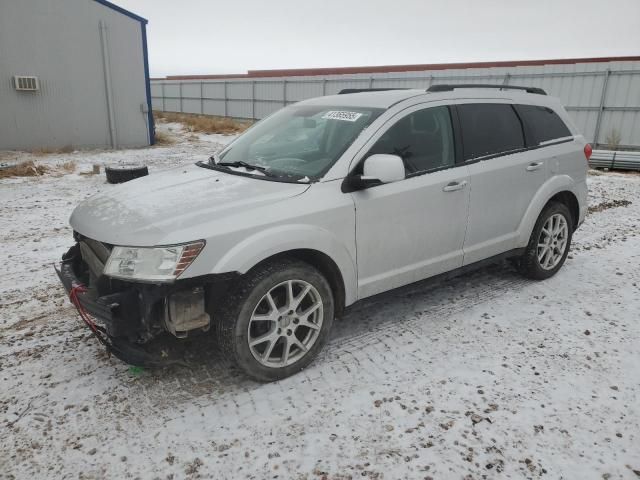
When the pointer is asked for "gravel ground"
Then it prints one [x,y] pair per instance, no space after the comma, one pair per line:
[487,375]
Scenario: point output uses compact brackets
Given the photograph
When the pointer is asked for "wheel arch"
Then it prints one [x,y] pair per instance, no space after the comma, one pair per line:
[321,262]
[561,189]
[308,243]
[571,201]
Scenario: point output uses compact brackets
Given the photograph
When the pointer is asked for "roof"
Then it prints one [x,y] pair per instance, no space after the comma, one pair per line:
[388,98]
[383,99]
[121,10]
[398,68]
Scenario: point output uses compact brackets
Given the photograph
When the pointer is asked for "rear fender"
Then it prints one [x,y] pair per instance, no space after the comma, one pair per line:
[554,185]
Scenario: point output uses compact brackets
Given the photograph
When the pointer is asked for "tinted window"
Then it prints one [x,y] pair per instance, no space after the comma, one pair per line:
[424,140]
[544,124]
[489,128]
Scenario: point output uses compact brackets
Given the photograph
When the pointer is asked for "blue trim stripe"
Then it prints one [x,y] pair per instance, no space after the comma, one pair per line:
[147,80]
[122,11]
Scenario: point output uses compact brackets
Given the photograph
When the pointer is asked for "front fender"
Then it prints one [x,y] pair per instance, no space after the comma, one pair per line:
[267,243]
[551,187]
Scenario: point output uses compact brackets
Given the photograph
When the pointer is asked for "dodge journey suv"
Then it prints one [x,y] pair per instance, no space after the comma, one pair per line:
[326,202]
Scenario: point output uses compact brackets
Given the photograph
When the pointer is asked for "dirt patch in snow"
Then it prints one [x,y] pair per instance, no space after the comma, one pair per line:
[607,205]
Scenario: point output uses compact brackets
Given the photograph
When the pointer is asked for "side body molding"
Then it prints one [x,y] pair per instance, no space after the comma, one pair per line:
[262,245]
[554,185]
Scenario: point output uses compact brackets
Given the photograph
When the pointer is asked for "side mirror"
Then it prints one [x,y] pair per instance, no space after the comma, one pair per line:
[378,169]
[384,168]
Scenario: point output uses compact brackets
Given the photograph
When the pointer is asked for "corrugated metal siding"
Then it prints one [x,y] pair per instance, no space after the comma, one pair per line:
[578,85]
[60,43]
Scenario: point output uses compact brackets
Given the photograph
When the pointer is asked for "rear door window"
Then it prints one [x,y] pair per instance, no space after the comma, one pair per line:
[543,123]
[489,129]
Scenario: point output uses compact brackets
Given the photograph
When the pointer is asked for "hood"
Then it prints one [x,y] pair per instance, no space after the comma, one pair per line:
[146,211]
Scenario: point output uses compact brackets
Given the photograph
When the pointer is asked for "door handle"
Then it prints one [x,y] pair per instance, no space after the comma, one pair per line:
[453,186]
[534,166]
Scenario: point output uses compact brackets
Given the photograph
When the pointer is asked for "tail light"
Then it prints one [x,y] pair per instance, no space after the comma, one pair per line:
[588,151]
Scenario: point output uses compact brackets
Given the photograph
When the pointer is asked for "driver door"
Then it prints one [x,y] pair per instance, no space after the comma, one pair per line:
[414,228]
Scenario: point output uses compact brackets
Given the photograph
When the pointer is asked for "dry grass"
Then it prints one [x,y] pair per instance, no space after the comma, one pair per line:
[163,138]
[48,151]
[203,123]
[24,169]
[68,167]
[6,155]
[31,169]
[613,139]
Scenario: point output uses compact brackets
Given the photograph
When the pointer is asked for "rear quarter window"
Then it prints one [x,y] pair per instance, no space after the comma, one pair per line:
[489,129]
[542,123]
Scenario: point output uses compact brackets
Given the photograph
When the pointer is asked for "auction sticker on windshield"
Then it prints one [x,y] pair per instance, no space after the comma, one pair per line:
[341,115]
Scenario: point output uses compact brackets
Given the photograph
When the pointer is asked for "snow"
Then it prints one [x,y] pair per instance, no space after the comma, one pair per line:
[487,375]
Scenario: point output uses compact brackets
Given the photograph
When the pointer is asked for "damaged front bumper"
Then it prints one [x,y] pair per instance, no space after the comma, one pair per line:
[102,308]
[134,320]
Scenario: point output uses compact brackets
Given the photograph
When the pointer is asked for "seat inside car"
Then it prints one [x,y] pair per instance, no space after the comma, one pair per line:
[423,139]
[427,140]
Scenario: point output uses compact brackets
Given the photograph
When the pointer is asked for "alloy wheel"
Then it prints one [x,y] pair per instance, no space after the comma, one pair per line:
[552,242]
[285,323]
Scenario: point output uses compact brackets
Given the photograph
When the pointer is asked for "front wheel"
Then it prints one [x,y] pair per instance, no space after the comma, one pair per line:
[549,243]
[277,319]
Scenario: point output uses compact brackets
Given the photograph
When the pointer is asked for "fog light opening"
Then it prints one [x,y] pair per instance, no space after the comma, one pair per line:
[186,312]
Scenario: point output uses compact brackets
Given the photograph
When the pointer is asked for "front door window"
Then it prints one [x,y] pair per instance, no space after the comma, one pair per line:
[424,140]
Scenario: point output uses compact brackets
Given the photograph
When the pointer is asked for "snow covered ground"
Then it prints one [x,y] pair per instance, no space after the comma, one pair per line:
[487,375]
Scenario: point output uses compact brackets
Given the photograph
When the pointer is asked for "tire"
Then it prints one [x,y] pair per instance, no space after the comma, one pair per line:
[531,265]
[124,173]
[239,320]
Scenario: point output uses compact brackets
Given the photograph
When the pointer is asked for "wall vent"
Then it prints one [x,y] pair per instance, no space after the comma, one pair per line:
[26,84]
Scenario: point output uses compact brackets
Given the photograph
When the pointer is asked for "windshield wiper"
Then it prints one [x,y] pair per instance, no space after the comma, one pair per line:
[248,166]
[264,170]
[240,163]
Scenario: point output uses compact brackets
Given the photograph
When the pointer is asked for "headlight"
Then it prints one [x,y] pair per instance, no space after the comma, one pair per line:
[161,264]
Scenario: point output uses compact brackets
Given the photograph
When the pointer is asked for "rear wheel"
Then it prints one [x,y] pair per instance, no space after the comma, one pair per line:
[549,243]
[277,320]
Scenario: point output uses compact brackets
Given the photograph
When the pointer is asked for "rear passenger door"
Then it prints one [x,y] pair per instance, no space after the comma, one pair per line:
[547,132]
[504,176]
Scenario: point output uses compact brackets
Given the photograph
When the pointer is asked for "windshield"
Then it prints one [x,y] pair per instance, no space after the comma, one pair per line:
[299,141]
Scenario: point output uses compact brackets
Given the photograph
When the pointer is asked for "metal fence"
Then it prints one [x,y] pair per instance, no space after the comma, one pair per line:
[602,98]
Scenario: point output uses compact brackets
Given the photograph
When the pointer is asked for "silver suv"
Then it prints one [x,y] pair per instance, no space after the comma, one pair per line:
[324,203]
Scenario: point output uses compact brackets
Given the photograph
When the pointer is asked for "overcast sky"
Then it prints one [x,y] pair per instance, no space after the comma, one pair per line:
[233,36]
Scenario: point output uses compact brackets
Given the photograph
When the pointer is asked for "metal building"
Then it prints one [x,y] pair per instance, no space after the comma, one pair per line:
[601,94]
[73,73]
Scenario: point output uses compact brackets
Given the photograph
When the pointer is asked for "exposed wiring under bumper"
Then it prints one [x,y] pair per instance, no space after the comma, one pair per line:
[120,347]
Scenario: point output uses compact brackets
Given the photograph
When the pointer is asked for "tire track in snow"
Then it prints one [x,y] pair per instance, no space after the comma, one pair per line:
[364,342]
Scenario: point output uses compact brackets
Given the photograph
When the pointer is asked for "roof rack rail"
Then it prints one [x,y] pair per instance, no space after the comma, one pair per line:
[360,90]
[449,87]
